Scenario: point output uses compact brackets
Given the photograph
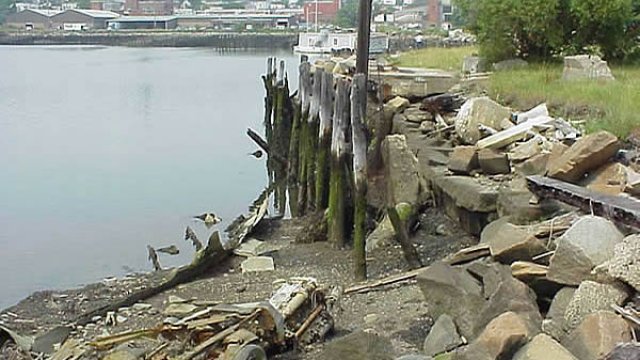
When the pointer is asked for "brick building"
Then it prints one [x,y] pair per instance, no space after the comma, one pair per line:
[326,11]
[148,7]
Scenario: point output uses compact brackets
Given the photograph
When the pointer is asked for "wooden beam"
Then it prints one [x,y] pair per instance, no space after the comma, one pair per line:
[620,209]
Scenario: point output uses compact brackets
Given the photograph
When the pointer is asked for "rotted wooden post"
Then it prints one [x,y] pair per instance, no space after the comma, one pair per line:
[359,141]
[305,101]
[324,144]
[312,138]
[337,177]
[269,79]
[280,137]
[293,168]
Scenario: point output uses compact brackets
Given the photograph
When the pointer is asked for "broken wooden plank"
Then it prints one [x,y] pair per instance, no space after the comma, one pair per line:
[615,208]
[508,136]
[366,287]
[265,146]
[468,254]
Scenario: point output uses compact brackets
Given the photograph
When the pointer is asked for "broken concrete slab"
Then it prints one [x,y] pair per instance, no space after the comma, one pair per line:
[475,112]
[511,135]
[586,67]
[576,252]
[417,83]
[589,298]
[526,150]
[586,154]
[597,335]
[553,324]
[257,264]
[463,159]
[501,338]
[251,247]
[509,243]
[401,170]
[493,162]
[440,283]
[543,347]
[540,110]
[625,263]
[443,337]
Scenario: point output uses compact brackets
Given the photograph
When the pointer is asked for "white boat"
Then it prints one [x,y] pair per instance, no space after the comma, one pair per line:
[325,42]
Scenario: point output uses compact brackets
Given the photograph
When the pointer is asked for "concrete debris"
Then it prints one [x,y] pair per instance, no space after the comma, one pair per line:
[589,298]
[398,104]
[609,179]
[588,153]
[540,110]
[597,335]
[250,247]
[581,67]
[493,162]
[257,264]
[516,133]
[476,112]
[577,254]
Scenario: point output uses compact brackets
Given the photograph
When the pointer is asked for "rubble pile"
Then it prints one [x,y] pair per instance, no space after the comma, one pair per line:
[298,313]
[547,280]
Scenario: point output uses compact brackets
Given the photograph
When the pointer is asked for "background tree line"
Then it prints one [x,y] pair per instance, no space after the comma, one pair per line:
[541,30]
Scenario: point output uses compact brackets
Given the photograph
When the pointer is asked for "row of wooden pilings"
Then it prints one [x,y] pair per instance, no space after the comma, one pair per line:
[316,141]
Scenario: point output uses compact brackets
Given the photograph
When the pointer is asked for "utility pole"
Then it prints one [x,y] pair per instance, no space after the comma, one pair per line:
[364,28]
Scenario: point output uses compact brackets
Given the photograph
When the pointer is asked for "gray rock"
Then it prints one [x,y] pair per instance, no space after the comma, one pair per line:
[553,324]
[417,116]
[400,125]
[588,243]
[359,345]
[629,351]
[582,67]
[509,243]
[543,347]
[516,204]
[401,167]
[597,335]
[45,342]
[397,104]
[589,298]
[443,337]
[468,193]
[440,283]
[475,112]
[384,233]
[257,264]
[501,338]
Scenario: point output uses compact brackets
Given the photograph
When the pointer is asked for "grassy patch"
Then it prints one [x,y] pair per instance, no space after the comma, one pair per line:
[612,106]
[437,58]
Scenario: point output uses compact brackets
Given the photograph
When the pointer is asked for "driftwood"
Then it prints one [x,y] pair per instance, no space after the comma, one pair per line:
[616,208]
[265,146]
[207,259]
[359,142]
[364,288]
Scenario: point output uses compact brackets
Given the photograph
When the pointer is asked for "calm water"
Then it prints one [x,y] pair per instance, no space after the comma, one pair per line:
[105,150]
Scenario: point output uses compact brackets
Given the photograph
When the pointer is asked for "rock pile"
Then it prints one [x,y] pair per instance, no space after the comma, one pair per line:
[545,282]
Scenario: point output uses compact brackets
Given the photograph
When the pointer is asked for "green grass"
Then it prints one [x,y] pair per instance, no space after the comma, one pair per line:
[612,106]
[437,58]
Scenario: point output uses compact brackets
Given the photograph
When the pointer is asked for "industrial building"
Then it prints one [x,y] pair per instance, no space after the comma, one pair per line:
[30,19]
[244,21]
[143,23]
[78,19]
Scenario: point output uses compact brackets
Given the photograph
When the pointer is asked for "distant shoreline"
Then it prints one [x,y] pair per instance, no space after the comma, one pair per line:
[155,39]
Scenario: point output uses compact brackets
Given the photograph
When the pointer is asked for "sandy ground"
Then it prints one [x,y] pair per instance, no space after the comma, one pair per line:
[396,312]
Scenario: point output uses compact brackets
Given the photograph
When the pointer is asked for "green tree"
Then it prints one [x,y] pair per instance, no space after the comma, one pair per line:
[601,23]
[347,16]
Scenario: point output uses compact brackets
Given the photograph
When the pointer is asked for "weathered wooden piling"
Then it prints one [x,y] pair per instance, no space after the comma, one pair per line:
[312,138]
[269,79]
[359,141]
[293,168]
[338,181]
[305,101]
[324,142]
[281,131]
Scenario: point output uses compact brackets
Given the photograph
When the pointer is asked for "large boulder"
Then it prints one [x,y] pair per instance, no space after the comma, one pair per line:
[440,283]
[625,263]
[586,154]
[501,339]
[588,243]
[581,67]
[443,337]
[543,347]
[509,243]
[515,202]
[479,111]
[401,169]
[589,298]
[553,324]
[597,335]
